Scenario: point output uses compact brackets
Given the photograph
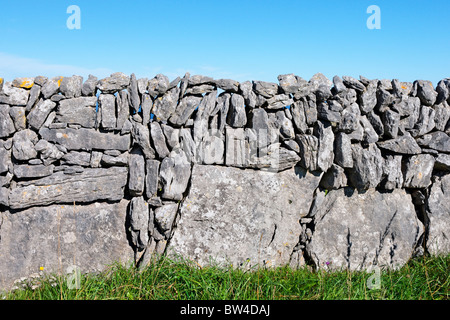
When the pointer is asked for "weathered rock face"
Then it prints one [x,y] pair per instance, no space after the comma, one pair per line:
[57,237]
[358,230]
[224,217]
[231,171]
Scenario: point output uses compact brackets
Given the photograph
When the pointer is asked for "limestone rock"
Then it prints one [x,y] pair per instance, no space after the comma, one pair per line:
[356,231]
[165,217]
[89,86]
[404,144]
[166,105]
[236,114]
[184,110]
[6,123]
[14,96]
[343,150]
[426,92]
[116,82]
[266,89]
[77,111]
[151,178]
[438,140]
[107,107]
[136,180]
[18,117]
[418,171]
[87,186]
[56,237]
[159,141]
[228,85]
[39,113]
[367,168]
[49,153]
[34,171]
[86,139]
[23,144]
[71,86]
[139,219]
[438,242]
[175,171]
[225,220]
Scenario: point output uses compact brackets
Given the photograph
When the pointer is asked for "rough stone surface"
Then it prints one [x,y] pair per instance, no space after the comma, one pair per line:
[175,171]
[225,218]
[78,111]
[438,241]
[418,171]
[56,237]
[89,185]
[358,230]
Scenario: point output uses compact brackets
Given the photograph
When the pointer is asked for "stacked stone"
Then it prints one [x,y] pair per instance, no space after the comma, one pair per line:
[63,140]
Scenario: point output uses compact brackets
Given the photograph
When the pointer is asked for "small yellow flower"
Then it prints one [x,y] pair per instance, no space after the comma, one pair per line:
[41,268]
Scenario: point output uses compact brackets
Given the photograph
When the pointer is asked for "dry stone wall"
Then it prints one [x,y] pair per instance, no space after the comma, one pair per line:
[349,173]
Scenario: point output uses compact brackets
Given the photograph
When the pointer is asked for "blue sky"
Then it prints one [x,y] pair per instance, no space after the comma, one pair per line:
[241,40]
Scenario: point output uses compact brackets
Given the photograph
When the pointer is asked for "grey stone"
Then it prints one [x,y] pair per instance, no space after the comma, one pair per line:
[188,145]
[207,106]
[172,135]
[78,111]
[325,156]
[290,83]
[58,237]
[228,85]
[353,83]
[142,84]
[310,112]
[159,141]
[32,171]
[325,111]
[139,221]
[146,107]
[323,93]
[4,196]
[298,116]
[134,94]
[426,92]
[89,86]
[246,89]
[71,86]
[370,135]
[368,100]
[197,79]
[225,220]
[141,137]
[165,217]
[23,144]
[279,101]
[334,178]
[338,85]
[151,178]
[39,113]
[5,159]
[77,158]
[116,82]
[107,108]
[51,87]
[96,158]
[158,85]
[442,162]
[391,122]
[6,123]
[265,89]
[200,89]
[34,97]
[136,172]
[343,150]
[285,125]
[392,173]
[86,139]
[184,110]
[319,79]
[49,153]
[236,114]
[166,105]
[211,149]
[442,115]
[418,171]
[357,231]
[367,168]
[175,171]
[402,144]
[425,122]
[376,123]
[309,149]
[18,116]
[236,147]
[349,121]
[118,160]
[437,140]
[443,91]
[89,185]
[14,96]
[438,242]
[123,109]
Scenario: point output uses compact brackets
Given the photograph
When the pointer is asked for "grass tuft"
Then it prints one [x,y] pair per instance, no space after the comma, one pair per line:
[424,278]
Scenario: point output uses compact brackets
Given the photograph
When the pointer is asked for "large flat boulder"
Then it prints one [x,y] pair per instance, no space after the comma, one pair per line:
[356,230]
[90,185]
[243,217]
[58,237]
[438,241]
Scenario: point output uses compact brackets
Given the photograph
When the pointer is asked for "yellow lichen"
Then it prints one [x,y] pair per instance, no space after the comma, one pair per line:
[59,81]
[27,83]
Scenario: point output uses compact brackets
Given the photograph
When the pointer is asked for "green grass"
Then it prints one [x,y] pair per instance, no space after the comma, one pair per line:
[422,278]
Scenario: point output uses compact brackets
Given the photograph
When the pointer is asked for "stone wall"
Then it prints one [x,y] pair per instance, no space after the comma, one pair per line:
[335,174]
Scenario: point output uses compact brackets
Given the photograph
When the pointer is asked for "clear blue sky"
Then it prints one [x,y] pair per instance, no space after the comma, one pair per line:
[242,40]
